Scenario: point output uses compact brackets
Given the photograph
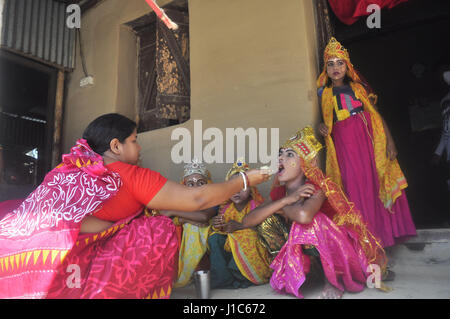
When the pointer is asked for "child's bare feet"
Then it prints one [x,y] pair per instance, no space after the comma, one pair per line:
[389,275]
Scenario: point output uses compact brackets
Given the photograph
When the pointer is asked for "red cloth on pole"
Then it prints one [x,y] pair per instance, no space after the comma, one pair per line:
[349,11]
[162,15]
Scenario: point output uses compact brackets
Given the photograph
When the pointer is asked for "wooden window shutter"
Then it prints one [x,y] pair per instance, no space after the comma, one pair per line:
[164,72]
[173,72]
[325,28]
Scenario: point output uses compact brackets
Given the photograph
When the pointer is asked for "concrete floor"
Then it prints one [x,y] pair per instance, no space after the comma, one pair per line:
[422,270]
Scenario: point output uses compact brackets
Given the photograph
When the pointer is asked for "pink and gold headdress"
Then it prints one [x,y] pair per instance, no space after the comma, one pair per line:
[304,143]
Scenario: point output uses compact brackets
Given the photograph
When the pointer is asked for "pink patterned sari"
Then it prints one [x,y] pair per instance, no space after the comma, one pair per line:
[343,260]
[43,254]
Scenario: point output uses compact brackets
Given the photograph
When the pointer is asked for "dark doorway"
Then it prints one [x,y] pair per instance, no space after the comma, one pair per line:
[27,99]
[403,63]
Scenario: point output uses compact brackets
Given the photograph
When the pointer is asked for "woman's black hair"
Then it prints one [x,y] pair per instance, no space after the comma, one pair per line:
[101,131]
[347,80]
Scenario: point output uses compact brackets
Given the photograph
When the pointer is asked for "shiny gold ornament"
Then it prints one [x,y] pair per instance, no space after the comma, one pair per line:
[239,166]
[304,143]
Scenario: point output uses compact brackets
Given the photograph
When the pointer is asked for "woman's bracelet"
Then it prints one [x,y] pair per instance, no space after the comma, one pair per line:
[248,180]
[244,177]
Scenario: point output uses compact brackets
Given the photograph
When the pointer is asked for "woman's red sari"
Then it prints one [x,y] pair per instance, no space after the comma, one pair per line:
[43,254]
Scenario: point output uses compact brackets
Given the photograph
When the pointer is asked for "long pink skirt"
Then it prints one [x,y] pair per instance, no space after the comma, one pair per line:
[355,155]
[133,259]
[342,258]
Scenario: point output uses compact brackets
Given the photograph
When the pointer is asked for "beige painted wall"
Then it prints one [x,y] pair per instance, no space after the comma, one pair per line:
[253,64]
[110,53]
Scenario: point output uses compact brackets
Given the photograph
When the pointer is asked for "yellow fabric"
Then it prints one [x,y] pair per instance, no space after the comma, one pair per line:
[194,240]
[392,181]
[390,176]
[193,247]
[251,257]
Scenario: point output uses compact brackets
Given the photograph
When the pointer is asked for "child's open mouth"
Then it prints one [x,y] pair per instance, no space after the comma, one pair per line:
[280,169]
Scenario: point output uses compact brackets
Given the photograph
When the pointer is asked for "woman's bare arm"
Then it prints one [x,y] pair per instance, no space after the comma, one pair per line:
[91,224]
[174,196]
[202,217]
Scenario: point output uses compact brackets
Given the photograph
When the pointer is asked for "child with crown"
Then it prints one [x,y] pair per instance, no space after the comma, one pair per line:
[193,227]
[326,228]
[238,258]
[361,153]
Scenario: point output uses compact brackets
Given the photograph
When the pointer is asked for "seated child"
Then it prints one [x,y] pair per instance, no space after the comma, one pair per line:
[238,259]
[324,224]
[194,226]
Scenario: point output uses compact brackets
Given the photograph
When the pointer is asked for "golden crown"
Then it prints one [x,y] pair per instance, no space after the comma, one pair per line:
[335,49]
[239,166]
[304,143]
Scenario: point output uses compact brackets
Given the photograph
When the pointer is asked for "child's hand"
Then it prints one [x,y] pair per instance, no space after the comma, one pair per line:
[217,221]
[391,150]
[232,226]
[323,129]
[305,191]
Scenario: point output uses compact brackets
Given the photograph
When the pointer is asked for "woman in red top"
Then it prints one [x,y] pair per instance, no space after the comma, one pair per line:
[82,233]
[141,186]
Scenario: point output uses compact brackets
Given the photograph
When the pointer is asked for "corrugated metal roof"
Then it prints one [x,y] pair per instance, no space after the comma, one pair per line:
[37,28]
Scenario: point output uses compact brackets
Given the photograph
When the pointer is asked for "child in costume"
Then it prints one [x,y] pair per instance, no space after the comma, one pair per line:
[361,154]
[324,224]
[238,259]
[194,227]
[83,234]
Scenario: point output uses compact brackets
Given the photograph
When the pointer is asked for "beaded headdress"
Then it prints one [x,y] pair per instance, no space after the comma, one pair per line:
[335,49]
[196,167]
[304,143]
[239,166]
